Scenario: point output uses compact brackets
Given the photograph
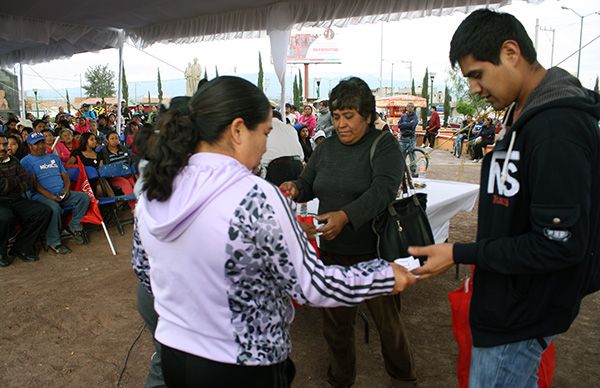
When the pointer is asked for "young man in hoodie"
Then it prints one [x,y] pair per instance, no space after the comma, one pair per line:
[538,209]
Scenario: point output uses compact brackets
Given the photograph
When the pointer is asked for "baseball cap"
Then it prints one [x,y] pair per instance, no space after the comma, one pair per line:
[25,123]
[35,137]
[320,133]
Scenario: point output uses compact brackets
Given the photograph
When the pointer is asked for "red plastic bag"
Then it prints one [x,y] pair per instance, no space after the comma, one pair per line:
[460,302]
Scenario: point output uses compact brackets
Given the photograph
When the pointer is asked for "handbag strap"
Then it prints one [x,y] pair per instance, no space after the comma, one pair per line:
[407,180]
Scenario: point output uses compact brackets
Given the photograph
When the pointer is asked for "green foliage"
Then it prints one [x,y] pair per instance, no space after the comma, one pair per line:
[464,108]
[100,81]
[300,87]
[216,71]
[447,107]
[412,88]
[68,101]
[596,88]
[425,95]
[297,93]
[205,75]
[466,102]
[149,100]
[125,87]
[261,74]
[159,88]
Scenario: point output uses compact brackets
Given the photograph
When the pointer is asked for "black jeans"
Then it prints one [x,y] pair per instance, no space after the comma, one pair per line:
[182,369]
[33,218]
[338,330]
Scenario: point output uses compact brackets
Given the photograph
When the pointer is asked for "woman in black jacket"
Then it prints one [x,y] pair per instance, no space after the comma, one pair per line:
[304,139]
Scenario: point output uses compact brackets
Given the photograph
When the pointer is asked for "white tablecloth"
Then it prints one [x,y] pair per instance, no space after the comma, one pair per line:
[444,200]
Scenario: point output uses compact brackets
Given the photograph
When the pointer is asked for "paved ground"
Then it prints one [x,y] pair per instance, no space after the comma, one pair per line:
[69,321]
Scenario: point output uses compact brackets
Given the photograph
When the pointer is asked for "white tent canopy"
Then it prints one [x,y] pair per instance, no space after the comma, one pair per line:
[40,30]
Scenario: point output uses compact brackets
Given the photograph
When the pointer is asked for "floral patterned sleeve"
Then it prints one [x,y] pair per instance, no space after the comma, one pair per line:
[139,259]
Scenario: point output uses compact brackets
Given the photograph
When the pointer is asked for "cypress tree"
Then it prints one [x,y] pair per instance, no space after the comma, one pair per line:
[425,94]
[447,107]
[216,71]
[412,88]
[159,87]
[300,89]
[125,87]
[261,74]
[596,88]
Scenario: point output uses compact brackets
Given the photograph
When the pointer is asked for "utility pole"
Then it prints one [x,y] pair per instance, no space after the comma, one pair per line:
[537,27]
[580,33]
[381,58]
[410,70]
[552,52]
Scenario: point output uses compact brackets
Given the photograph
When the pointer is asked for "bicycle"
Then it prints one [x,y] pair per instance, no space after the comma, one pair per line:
[416,157]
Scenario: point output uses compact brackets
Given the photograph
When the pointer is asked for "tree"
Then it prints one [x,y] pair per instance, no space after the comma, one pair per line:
[425,94]
[100,81]
[466,102]
[297,93]
[205,75]
[447,107]
[125,87]
[216,71]
[596,88]
[159,87]
[149,100]
[412,88]
[300,89]
[261,74]
[68,102]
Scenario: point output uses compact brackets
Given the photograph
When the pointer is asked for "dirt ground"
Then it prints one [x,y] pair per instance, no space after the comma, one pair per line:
[69,321]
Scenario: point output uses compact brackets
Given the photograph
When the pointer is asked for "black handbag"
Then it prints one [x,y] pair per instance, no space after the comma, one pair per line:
[404,222]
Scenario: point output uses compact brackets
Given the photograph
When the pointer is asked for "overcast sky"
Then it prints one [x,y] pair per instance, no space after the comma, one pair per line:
[425,42]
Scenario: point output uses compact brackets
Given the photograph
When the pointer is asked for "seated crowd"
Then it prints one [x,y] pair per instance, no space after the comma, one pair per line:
[36,193]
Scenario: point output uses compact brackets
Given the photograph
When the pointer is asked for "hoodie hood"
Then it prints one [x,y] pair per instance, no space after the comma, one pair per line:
[557,89]
[205,177]
[558,85]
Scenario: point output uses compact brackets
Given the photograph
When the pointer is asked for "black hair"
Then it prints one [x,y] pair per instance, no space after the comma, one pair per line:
[27,129]
[433,107]
[111,132]
[47,130]
[288,105]
[482,34]
[12,120]
[204,117]
[144,140]
[83,140]
[22,150]
[354,93]
[325,103]
[277,115]
[36,122]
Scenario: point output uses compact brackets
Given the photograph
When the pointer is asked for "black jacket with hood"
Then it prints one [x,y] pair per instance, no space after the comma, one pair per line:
[536,224]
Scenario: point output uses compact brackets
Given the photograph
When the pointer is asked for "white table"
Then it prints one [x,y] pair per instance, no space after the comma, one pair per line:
[444,200]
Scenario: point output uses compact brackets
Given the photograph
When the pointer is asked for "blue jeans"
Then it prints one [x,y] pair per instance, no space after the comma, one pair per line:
[80,202]
[511,365]
[407,144]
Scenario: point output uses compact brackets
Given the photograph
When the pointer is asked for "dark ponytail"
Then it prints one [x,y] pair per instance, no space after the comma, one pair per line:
[204,117]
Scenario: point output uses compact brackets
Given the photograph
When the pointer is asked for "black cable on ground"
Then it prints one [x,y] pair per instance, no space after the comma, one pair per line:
[137,337]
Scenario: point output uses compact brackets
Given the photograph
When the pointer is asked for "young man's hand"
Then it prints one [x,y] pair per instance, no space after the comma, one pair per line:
[440,258]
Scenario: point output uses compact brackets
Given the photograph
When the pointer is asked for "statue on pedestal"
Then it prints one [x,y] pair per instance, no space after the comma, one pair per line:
[192,77]
[3,100]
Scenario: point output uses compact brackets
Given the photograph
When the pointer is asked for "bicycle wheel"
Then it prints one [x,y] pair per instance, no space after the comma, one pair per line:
[415,158]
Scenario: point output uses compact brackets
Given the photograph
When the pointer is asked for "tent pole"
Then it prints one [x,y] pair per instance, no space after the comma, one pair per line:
[22,107]
[120,83]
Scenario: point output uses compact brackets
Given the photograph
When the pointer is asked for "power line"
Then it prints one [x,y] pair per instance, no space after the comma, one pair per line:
[576,51]
[49,84]
[155,57]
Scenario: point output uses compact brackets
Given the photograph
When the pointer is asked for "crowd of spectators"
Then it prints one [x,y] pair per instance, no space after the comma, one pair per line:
[36,191]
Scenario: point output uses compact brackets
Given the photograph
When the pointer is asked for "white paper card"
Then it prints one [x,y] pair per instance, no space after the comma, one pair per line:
[409,263]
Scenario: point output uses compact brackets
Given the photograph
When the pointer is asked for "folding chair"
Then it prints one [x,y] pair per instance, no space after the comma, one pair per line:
[106,202]
[114,170]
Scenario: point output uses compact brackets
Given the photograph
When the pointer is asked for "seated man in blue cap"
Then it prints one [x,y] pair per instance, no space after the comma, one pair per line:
[51,187]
